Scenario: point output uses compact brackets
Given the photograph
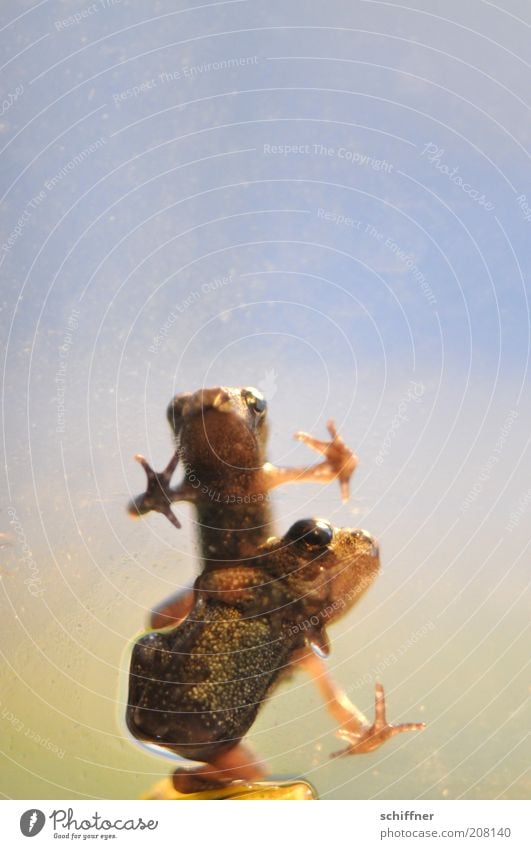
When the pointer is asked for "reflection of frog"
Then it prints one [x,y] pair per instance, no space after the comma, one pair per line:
[261,604]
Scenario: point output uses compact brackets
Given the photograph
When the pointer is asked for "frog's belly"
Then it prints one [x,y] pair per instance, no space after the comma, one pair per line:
[198,693]
[197,728]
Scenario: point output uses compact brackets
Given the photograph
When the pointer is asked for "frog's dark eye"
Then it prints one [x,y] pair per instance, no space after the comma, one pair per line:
[255,400]
[314,532]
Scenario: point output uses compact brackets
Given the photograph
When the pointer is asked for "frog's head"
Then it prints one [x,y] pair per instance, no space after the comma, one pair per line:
[328,569]
[223,427]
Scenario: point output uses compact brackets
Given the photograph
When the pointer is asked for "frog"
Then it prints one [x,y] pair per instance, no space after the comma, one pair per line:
[261,606]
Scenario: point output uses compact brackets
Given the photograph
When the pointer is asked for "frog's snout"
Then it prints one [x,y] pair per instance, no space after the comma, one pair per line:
[367,539]
[188,404]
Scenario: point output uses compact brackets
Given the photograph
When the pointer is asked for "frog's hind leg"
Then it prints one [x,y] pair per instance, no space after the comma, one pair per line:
[361,735]
[236,764]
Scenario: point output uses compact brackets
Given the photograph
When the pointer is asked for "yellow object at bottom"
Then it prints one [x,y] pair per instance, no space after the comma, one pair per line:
[286,790]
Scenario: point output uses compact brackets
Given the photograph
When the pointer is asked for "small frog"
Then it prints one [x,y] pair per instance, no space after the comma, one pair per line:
[221,437]
[261,604]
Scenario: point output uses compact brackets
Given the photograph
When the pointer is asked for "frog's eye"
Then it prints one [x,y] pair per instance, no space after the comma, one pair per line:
[254,400]
[314,532]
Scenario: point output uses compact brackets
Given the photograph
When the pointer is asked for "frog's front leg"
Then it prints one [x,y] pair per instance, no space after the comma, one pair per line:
[356,730]
[159,495]
[340,463]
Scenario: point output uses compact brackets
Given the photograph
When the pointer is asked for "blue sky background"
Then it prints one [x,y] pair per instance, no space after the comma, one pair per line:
[249,193]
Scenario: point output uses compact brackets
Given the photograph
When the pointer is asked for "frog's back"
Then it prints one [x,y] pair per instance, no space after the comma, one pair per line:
[198,688]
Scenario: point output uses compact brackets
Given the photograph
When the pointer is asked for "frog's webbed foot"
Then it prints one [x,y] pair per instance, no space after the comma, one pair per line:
[340,459]
[158,495]
[340,463]
[367,738]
